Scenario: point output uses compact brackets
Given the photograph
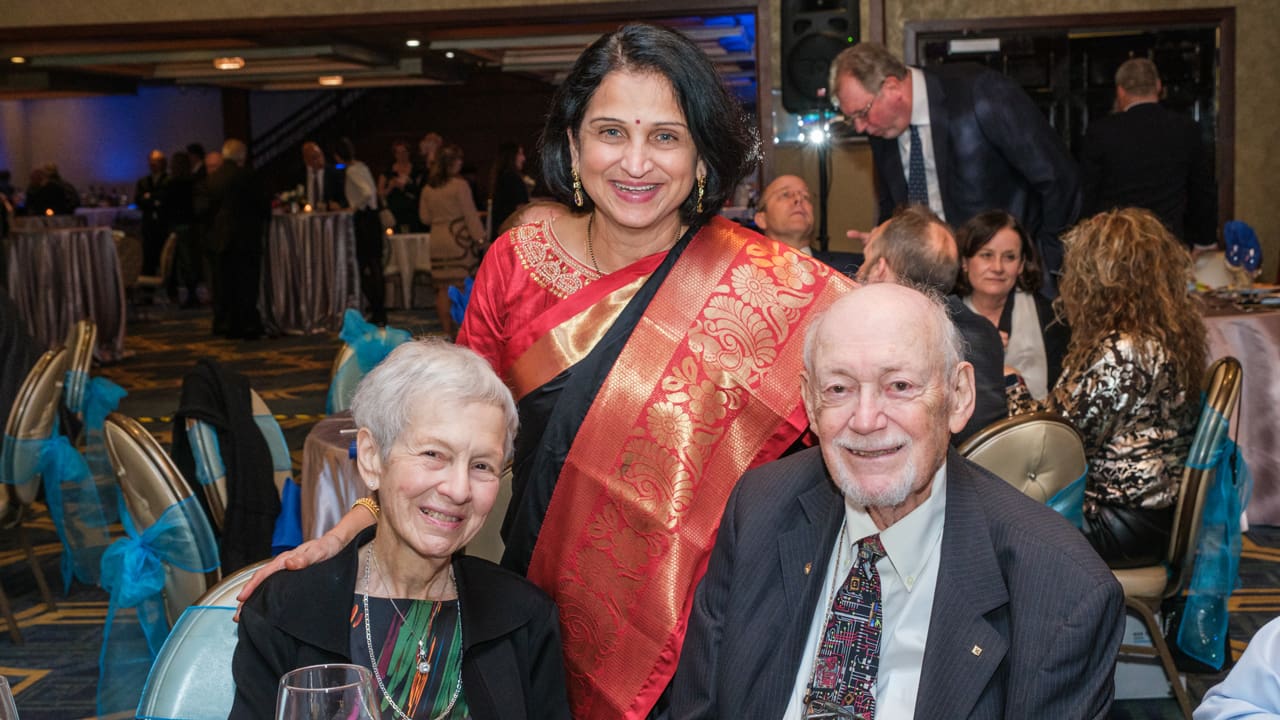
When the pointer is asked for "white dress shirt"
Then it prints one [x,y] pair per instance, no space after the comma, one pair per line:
[920,118]
[362,193]
[908,578]
[315,187]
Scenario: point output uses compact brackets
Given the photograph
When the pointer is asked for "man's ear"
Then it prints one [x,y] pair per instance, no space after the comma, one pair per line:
[810,399]
[761,220]
[963,397]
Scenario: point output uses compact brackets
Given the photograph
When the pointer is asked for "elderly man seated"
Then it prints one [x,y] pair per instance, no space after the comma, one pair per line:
[881,575]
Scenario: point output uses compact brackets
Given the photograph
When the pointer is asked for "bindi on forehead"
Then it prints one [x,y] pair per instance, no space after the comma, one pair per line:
[637,121]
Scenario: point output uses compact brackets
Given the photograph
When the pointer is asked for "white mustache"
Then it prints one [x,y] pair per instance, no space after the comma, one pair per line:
[870,446]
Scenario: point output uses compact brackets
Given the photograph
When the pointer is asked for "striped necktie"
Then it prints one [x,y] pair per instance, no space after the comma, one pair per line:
[844,672]
[917,185]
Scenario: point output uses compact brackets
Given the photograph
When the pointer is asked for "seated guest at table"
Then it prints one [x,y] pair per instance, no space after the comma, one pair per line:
[399,187]
[362,197]
[881,575]
[1131,379]
[448,206]
[323,185]
[44,197]
[239,207]
[70,196]
[148,195]
[785,214]
[507,186]
[1000,280]
[446,635]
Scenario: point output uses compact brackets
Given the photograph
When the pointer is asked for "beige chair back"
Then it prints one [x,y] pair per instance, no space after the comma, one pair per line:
[80,343]
[1037,453]
[33,413]
[151,484]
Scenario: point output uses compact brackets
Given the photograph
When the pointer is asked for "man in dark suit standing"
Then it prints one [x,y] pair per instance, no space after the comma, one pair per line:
[147,196]
[975,140]
[323,184]
[1148,156]
[240,209]
[881,575]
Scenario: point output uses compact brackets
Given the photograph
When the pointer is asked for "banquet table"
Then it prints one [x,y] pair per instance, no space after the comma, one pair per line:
[57,276]
[109,216]
[309,274]
[329,481]
[1253,338]
[24,223]
[410,253]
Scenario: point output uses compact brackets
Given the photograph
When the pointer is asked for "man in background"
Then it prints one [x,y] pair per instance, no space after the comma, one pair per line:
[324,185]
[148,196]
[785,214]
[960,139]
[1146,155]
[240,209]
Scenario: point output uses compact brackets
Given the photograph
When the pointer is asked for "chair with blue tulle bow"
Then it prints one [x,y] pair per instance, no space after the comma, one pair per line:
[31,425]
[80,343]
[364,346]
[1211,466]
[1041,454]
[191,677]
[166,561]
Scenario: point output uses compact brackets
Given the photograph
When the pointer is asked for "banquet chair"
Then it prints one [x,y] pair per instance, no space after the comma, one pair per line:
[191,676]
[1146,588]
[151,484]
[80,343]
[33,417]
[1038,453]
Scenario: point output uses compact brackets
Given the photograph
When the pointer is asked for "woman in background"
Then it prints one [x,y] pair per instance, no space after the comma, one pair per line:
[447,205]
[507,184]
[399,187]
[1131,378]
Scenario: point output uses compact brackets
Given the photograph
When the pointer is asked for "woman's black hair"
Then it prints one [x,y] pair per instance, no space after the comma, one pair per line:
[726,142]
[979,231]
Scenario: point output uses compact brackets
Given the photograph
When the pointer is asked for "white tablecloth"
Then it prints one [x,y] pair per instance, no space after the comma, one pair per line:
[410,253]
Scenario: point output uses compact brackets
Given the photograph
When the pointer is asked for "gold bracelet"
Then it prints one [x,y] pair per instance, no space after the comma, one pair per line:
[367,503]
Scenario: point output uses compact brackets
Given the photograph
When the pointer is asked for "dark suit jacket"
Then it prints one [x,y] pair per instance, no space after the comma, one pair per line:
[1152,157]
[334,184]
[1014,578]
[985,351]
[994,149]
[511,662]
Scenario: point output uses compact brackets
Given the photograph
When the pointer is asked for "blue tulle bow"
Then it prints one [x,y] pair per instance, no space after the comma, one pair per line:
[1202,633]
[75,508]
[370,344]
[133,571]
[101,397]
[459,300]
[1069,501]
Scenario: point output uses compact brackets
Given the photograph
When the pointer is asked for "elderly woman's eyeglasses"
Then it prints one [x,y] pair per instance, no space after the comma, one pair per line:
[864,112]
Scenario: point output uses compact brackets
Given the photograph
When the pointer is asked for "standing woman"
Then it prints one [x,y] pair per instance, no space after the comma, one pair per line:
[507,185]
[399,187]
[1131,379]
[653,348]
[362,198]
[1000,280]
[447,205]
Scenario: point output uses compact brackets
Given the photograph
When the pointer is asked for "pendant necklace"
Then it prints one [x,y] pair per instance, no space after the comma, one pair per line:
[424,663]
[423,666]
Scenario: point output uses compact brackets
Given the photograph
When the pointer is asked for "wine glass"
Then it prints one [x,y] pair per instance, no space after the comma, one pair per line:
[327,692]
[8,710]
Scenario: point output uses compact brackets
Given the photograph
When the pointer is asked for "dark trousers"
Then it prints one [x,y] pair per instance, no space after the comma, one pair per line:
[1128,537]
[154,234]
[368,230]
[236,298]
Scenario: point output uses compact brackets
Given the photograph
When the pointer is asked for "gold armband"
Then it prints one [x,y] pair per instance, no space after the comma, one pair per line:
[368,504]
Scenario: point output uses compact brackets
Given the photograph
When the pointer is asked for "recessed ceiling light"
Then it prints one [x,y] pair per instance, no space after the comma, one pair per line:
[228,63]
[329,80]
[412,43]
[17,59]
[449,54]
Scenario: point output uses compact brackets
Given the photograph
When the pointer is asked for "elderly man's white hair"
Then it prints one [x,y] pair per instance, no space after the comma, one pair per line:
[428,370]
[235,150]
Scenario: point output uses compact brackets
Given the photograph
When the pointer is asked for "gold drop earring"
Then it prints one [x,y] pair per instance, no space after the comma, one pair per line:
[577,188]
[702,186]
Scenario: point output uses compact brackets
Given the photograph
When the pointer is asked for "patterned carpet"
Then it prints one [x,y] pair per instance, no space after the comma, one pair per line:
[54,674]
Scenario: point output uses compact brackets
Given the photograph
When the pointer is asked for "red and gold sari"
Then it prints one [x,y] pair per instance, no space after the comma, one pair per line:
[668,379]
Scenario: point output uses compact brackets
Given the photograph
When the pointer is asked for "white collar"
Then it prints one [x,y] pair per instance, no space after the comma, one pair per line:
[907,542]
[919,98]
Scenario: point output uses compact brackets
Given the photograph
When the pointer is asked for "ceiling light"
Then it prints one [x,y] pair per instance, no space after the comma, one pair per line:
[329,80]
[412,43]
[449,55]
[17,59]
[228,63]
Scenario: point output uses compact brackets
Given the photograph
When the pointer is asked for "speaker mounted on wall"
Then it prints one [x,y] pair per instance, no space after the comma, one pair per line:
[813,33]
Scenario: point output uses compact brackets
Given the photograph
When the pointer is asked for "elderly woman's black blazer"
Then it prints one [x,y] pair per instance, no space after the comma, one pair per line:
[512,667]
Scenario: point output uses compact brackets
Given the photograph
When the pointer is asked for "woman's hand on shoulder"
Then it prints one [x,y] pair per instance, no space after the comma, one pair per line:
[305,555]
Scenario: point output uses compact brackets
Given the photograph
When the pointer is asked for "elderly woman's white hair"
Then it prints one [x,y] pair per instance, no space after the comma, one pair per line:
[427,370]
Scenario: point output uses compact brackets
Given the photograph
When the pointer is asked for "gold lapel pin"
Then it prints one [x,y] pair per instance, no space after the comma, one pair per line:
[977,651]
[807,567]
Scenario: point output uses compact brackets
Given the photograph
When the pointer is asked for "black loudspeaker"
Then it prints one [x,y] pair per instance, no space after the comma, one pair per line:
[813,33]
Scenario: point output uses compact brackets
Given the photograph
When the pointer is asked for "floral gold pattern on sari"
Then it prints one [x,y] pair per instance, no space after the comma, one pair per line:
[689,404]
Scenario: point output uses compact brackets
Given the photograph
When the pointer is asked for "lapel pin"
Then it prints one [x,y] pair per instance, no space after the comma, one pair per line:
[977,651]
[807,567]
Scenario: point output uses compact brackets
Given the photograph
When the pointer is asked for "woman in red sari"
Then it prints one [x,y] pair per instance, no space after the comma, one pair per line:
[654,349]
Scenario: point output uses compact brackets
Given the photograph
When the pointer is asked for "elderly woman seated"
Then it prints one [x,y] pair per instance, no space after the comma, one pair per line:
[1131,377]
[446,635]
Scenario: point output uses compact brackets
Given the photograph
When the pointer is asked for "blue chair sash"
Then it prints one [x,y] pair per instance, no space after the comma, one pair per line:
[459,300]
[1069,501]
[287,533]
[1202,633]
[370,344]
[75,508]
[133,573]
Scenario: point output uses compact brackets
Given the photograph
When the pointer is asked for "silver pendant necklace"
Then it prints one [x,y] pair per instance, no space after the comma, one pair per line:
[373,658]
[424,664]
